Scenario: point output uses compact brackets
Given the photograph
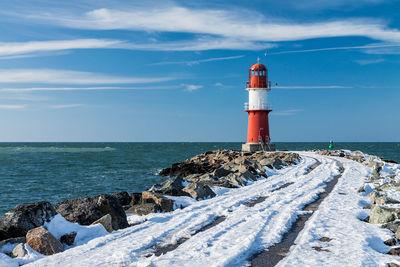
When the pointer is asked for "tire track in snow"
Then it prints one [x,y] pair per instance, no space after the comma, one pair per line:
[277,252]
[273,216]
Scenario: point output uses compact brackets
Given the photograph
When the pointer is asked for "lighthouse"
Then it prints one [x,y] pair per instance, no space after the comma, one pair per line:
[258,86]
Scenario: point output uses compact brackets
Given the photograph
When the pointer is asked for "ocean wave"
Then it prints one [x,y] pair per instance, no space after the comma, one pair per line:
[53,149]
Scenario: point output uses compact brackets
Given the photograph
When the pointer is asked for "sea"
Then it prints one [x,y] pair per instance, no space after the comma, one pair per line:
[32,172]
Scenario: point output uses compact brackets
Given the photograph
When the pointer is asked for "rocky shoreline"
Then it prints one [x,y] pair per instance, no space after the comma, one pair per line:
[26,224]
[26,228]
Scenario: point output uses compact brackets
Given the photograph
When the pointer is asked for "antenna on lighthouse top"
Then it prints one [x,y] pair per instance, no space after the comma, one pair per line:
[258,59]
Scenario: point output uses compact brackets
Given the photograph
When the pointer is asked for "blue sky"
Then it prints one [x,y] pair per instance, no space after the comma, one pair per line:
[176,70]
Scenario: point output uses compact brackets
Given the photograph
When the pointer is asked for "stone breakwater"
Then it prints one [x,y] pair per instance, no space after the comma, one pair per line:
[195,178]
[383,189]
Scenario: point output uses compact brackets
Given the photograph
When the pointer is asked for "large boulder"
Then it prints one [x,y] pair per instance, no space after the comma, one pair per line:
[42,241]
[381,199]
[123,197]
[106,221]
[144,209]
[165,204]
[18,221]
[19,251]
[199,190]
[172,187]
[379,215]
[85,211]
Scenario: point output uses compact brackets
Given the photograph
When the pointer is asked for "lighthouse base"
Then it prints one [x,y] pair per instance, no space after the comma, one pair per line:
[254,147]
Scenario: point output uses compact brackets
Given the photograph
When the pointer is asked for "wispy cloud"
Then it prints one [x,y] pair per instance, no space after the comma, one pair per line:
[12,106]
[369,48]
[66,106]
[289,112]
[95,88]
[363,62]
[218,84]
[24,49]
[52,76]
[313,87]
[198,61]
[223,23]
[192,87]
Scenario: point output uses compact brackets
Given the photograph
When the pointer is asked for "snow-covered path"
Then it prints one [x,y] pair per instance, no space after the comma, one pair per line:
[245,230]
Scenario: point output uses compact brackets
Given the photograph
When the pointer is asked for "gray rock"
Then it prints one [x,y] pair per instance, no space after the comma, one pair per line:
[18,221]
[13,240]
[379,215]
[143,209]
[235,179]
[106,221]
[68,239]
[123,197]
[392,226]
[199,190]
[165,204]
[221,172]
[248,175]
[390,242]
[85,211]
[19,251]
[172,187]
[136,198]
[394,251]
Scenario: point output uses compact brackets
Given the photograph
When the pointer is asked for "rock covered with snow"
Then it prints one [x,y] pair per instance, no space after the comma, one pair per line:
[215,168]
[43,241]
[85,211]
[18,221]
[199,191]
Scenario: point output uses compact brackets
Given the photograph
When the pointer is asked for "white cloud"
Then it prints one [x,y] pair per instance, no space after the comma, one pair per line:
[313,87]
[363,62]
[95,88]
[289,112]
[223,23]
[199,44]
[192,87]
[370,49]
[66,106]
[21,48]
[218,84]
[12,106]
[52,76]
[198,61]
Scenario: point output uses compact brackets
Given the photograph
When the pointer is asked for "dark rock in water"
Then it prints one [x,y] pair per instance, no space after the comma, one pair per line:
[144,209]
[389,161]
[68,239]
[123,197]
[85,211]
[198,190]
[172,187]
[18,221]
[42,241]
[166,204]
[136,198]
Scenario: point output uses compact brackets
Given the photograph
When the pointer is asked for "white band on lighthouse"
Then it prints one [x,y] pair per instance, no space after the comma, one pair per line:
[257,99]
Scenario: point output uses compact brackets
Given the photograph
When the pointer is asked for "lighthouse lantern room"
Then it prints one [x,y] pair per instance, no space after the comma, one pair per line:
[258,86]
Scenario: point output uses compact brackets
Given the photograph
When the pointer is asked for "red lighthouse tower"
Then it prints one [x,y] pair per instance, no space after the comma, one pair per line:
[258,86]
